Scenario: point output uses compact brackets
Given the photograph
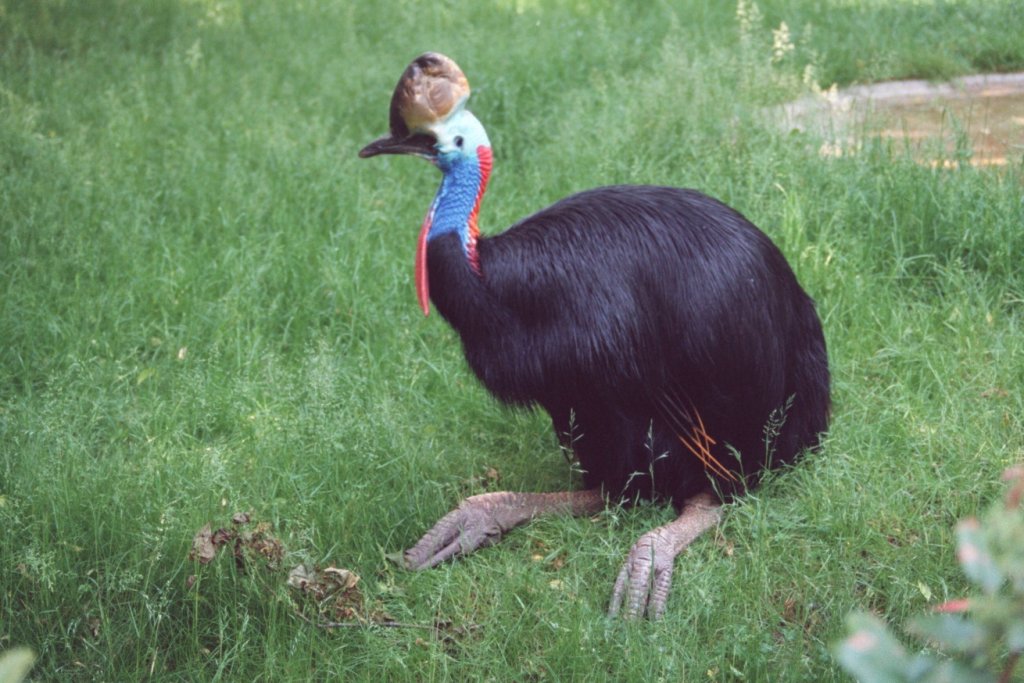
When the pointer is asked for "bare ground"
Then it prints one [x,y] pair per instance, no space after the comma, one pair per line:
[933,120]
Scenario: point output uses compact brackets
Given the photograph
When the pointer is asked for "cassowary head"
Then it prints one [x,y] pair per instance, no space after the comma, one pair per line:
[428,114]
[429,119]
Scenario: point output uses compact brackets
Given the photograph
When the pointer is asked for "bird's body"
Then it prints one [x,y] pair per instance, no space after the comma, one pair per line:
[629,312]
[663,332]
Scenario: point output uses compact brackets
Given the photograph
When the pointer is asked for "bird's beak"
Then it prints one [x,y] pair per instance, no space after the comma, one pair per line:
[430,90]
[419,144]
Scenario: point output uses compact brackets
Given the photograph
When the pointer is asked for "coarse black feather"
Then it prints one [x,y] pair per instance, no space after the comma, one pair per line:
[641,318]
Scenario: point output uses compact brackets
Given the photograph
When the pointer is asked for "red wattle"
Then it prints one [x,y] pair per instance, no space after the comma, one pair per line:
[486,161]
[422,287]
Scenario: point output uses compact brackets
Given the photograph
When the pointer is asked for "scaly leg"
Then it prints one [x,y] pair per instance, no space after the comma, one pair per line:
[480,521]
[646,576]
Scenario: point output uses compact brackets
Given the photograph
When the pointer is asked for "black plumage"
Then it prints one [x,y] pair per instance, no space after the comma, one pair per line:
[633,315]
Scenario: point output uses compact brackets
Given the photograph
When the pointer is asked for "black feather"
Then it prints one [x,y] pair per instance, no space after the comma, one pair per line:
[632,314]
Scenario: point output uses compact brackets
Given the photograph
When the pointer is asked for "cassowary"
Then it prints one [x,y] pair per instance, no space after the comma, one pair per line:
[664,333]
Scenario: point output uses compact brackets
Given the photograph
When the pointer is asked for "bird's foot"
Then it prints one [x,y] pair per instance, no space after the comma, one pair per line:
[478,522]
[644,580]
[481,520]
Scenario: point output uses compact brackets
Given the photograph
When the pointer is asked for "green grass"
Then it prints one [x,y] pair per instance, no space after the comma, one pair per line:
[206,307]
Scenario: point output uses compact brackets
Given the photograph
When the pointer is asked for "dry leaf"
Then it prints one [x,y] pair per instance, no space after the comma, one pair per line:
[334,590]
[342,577]
[259,542]
[324,583]
[300,577]
[221,537]
[203,548]
[487,480]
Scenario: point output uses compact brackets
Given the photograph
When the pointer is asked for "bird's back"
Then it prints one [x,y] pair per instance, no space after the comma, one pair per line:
[599,304]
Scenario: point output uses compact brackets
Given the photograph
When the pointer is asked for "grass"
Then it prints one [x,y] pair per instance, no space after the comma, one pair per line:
[206,307]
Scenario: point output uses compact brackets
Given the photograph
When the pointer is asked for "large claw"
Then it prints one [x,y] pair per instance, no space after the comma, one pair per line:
[478,522]
[481,521]
[644,580]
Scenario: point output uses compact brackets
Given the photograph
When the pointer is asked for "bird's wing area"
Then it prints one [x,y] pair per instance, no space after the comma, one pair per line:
[682,417]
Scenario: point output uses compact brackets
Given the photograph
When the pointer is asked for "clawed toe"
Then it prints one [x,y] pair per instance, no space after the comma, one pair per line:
[461,531]
[643,583]
[478,522]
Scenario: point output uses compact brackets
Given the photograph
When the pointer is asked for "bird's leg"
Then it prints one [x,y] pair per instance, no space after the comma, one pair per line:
[480,521]
[643,583]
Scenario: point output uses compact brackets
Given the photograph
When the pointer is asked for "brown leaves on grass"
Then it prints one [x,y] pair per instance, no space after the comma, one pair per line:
[334,596]
[333,590]
[321,584]
[205,544]
[248,544]
[327,598]
[995,392]
[338,603]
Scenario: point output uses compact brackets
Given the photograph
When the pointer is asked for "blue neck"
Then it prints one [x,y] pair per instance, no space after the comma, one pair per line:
[453,204]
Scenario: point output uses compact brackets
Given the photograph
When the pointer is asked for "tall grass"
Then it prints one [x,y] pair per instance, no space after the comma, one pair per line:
[205,307]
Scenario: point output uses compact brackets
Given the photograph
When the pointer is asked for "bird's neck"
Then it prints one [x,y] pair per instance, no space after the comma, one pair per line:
[454,211]
[457,204]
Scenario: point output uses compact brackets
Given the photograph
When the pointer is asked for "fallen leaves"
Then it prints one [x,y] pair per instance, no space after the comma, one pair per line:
[204,548]
[321,584]
[248,544]
[334,596]
[727,547]
[333,590]
[328,597]
[553,561]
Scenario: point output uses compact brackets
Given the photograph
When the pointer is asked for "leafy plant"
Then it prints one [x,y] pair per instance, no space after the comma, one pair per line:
[15,665]
[970,638]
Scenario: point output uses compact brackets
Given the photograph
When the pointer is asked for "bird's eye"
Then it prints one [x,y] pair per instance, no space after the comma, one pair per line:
[458,141]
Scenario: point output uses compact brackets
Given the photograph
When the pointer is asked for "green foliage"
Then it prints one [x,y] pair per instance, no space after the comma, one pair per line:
[206,306]
[15,665]
[989,637]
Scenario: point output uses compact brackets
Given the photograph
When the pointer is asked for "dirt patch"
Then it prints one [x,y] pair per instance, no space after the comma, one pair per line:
[977,119]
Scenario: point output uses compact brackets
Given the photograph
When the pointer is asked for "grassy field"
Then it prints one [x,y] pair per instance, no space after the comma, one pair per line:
[206,307]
